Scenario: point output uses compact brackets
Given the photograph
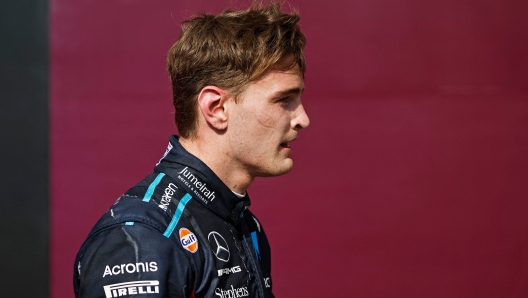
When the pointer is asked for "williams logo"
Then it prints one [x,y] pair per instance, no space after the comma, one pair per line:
[196,185]
[188,240]
[131,288]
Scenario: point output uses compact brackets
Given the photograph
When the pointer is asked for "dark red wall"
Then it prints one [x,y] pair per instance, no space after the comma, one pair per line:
[410,182]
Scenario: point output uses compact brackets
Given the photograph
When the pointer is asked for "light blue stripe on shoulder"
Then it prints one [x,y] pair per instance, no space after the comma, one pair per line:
[179,211]
[255,243]
[152,187]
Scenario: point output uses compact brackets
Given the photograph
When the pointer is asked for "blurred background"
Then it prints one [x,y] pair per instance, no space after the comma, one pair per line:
[412,180]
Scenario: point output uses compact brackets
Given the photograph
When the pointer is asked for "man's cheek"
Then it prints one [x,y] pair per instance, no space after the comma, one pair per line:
[265,119]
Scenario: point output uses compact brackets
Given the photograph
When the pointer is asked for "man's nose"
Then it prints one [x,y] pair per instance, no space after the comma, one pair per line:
[301,119]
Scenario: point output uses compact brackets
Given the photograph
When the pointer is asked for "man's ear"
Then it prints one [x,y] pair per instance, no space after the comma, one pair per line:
[211,104]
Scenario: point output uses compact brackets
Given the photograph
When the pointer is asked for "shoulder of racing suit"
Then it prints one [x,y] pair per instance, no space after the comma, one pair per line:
[178,233]
[133,250]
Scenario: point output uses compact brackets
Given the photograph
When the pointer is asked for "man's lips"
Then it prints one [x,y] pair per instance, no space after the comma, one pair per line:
[287,143]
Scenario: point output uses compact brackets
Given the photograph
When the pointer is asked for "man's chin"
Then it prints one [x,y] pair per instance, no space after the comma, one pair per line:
[278,170]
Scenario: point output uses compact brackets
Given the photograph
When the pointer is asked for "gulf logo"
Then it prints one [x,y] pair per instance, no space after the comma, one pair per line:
[188,240]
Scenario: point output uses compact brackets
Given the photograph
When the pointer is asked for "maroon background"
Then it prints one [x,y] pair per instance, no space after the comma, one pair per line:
[410,182]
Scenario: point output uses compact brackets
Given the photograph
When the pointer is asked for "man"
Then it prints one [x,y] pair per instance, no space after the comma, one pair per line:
[185,230]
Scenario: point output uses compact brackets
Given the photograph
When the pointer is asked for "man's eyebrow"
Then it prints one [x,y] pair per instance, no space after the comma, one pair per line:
[296,90]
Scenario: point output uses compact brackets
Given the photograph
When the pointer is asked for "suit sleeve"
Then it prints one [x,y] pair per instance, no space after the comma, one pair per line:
[131,259]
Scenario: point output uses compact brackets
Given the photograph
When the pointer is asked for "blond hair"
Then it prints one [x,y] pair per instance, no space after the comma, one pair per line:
[229,51]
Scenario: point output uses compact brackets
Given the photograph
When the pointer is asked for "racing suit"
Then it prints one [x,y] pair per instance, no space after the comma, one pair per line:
[180,232]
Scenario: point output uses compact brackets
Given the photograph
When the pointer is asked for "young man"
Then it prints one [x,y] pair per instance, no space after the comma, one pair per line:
[185,230]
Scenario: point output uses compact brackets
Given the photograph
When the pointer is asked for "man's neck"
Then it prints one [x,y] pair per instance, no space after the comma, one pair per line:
[219,161]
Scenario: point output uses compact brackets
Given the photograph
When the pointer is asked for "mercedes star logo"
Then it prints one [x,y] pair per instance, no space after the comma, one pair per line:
[219,246]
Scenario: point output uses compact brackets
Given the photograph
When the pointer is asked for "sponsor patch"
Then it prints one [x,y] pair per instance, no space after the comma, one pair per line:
[219,246]
[232,293]
[226,271]
[167,196]
[197,186]
[188,240]
[131,288]
[130,268]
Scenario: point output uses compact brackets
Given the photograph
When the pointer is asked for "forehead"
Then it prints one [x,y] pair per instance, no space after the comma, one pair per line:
[278,79]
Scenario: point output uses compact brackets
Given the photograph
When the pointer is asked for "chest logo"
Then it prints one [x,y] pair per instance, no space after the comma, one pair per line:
[188,240]
[219,246]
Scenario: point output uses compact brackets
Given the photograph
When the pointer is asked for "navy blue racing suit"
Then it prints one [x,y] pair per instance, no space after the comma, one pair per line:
[180,232]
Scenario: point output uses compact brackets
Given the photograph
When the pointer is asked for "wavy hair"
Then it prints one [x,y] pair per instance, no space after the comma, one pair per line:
[229,51]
